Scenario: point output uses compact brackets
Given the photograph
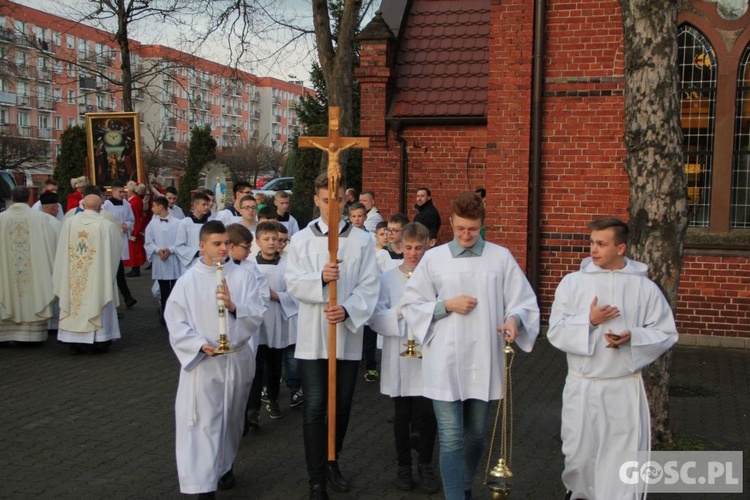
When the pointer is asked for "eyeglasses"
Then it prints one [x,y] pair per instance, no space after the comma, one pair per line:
[246,247]
[243,193]
[252,208]
[393,231]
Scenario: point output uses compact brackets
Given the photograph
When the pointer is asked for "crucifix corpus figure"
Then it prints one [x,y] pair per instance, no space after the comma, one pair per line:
[350,278]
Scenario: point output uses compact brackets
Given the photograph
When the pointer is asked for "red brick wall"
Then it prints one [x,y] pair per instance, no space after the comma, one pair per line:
[714,296]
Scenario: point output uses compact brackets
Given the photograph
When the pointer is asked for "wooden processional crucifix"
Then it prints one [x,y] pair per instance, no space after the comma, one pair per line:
[334,144]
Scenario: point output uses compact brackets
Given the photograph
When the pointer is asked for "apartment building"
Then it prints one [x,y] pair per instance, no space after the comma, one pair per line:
[53,71]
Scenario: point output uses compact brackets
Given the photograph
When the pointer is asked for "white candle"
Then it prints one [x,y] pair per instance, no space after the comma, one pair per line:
[409,334]
[222,306]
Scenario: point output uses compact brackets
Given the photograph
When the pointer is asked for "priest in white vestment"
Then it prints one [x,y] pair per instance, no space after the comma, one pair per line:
[212,390]
[612,321]
[308,275]
[187,240]
[88,254]
[123,213]
[27,250]
[463,302]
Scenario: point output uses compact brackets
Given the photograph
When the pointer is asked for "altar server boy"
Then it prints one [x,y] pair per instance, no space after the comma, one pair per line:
[401,377]
[612,321]
[160,241]
[464,301]
[212,390]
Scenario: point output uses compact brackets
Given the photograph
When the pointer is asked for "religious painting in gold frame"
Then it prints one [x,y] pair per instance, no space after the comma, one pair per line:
[114,148]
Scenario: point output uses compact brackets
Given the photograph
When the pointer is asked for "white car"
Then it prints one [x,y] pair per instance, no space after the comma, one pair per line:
[277,184]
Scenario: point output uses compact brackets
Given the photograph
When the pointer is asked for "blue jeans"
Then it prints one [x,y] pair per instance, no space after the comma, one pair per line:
[461,427]
[314,374]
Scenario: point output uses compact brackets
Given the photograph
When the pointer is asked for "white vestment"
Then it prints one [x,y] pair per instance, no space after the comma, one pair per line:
[357,288]
[213,390]
[27,252]
[228,216]
[399,376]
[176,212]
[159,235]
[122,213]
[60,210]
[605,411]
[274,332]
[372,220]
[187,242]
[385,261]
[56,227]
[292,226]
[88,255]
[462,353]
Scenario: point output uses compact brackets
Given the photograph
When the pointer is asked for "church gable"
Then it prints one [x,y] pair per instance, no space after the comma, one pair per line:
[442,65]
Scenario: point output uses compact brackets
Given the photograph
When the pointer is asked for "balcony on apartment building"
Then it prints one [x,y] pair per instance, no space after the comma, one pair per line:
[169,145]
[87,82]
[25,101]
[7,35]
[7,98]
[232,90]
[255,116]
[255,97]
[26,72]
[46,104]
[276,100]
[172,122]
[277,119]
[26,132]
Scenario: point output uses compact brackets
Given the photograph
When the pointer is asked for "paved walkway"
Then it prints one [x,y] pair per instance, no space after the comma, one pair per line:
[102,426]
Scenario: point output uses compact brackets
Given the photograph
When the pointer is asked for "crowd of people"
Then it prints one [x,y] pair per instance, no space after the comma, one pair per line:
[248,274]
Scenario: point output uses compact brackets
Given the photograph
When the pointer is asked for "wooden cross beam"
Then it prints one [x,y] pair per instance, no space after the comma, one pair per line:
[334,144]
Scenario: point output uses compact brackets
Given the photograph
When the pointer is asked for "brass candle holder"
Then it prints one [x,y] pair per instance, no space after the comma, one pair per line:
[411,350]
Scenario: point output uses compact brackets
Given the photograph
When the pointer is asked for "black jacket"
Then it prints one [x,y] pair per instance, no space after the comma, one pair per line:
[428,215]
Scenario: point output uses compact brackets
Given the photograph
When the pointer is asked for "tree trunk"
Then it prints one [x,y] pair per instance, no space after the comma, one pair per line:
[654,163]
[122,40]
[337,63]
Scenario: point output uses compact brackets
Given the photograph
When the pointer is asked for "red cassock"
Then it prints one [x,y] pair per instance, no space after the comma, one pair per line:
[137,249]
[74,199]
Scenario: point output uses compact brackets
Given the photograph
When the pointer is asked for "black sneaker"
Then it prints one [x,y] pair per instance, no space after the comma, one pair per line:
[274,410]
[297,399]
[253,419]
[264,396]
[404,481]
[427,479]
[371,376]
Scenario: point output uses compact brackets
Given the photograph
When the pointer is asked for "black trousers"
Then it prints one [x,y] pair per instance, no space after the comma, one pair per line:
[122,283]
[270,359]
[314,373]
[165,288]
[369,348]
[415,410]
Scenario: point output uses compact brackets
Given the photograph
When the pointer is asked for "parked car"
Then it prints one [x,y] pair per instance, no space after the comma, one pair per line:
[262,181]
[7,183]
[277,184]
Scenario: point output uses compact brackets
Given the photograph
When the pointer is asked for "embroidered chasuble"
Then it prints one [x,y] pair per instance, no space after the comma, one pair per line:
[86,262]
[27,249]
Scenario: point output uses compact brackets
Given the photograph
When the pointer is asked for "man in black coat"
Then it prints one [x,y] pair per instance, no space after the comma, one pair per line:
[427,214]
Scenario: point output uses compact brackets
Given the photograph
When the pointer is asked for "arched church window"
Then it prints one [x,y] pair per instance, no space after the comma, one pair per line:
[698,70]
[740,211]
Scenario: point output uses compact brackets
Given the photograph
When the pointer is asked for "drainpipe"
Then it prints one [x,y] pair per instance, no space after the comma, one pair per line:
[537,107]
[404,162]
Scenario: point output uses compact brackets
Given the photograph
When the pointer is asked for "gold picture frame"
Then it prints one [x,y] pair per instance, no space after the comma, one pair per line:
[114,148]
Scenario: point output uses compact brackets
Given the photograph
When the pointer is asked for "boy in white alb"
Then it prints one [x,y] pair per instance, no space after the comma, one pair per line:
[212,390]
[401,377]
[187,241]
[282,202]
[161,234]
[459,299]
[308,275]
[612,321]
[274,332]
